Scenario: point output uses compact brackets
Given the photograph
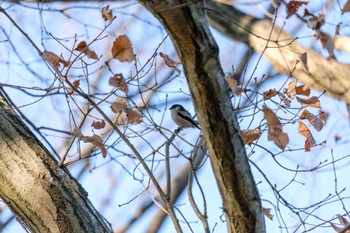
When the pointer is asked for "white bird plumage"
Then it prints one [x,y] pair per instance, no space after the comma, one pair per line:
[182,117]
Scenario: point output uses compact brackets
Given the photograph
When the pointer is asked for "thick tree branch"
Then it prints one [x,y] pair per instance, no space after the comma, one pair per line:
[186,24]
[282,50]
[42,195]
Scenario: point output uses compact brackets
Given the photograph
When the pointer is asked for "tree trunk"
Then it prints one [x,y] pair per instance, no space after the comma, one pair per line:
[188,28]
[44,197]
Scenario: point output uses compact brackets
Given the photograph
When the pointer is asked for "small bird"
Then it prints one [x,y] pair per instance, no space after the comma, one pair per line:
[182,117]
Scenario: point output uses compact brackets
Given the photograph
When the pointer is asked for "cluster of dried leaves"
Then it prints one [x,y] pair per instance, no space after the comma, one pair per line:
[122,50]
[315,22]
[274,126]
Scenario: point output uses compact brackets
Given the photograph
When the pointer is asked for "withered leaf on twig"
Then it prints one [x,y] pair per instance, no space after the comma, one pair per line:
[119,82]
[106,14]
[274,127]
[170,62]
[83,47]
[122,49]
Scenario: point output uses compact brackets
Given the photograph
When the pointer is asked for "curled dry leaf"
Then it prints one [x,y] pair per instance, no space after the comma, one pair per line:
[84,48]
[119,82]
[133,116]
[274,126]
[302,90]
[269,94]
[309,102]
[290,91]
[303,58]
[343,221]
[98,124]
[337,229]
[232,82]
[304,130]
[346,7]
[267,213]
[76,84]
[106,14]
[328,44]
[170,62]
[54,60]
[94,139]
[122,49]
[118,105]
[314,120]
[293,6]
[250,135]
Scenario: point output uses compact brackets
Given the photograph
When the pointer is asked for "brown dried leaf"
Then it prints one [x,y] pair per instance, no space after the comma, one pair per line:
[83,47]
[280,138]
[293,6]
[250,135]
[54,60]
[309,102]
[232,82]
[76,84]
[119,82]
[98,124]
[267,213]
[170,62]
[308,145]
[323,116]
[314,120]
[272,120]
[97,141]
[107,15]
[303,58]
[302,90]
[133,116]
[304,131]
[337,229]
[343,221]
[94,139]
[290,91]
[274,126]
[328,43]
[118,105]
[122,49]
[346,7]
[269,94]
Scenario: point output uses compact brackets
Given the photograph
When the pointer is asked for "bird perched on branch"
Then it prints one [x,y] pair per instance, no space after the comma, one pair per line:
[182,117]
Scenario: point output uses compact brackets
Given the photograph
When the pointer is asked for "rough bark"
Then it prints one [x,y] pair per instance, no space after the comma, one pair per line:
[187,26]
[44,197]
